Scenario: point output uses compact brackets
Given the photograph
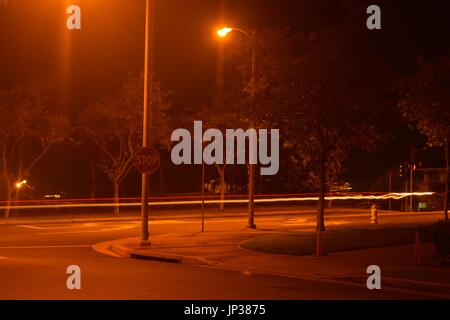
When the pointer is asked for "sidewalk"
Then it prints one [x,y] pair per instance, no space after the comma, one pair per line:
[224,250]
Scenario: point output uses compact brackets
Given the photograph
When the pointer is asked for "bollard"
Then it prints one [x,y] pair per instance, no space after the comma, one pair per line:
[374,211]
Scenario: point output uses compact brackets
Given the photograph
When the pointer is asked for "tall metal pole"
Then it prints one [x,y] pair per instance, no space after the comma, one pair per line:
[390,189]
[203,196]
[447,184]
[252,167]
[145,135]
[411,169]
[406,191]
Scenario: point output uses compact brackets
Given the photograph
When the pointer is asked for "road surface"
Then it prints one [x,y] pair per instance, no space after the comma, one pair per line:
[34,259]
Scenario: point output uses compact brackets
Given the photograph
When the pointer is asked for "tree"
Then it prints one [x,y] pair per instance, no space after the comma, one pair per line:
[26,123]
[322,89]
[213,118]
[114,125]
[425,103]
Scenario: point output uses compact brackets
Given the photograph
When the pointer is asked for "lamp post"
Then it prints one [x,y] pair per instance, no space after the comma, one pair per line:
[222,33]
[413,168]
[203,196]
[146,119]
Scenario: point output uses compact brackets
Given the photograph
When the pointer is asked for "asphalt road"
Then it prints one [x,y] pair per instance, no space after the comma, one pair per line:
[34,259]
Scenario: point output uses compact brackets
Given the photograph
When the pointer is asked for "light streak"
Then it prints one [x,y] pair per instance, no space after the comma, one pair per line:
[394,196]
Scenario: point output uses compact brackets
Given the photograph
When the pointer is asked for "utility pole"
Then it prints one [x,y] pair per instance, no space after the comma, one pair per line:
[146,120]
[390,189]
[252,167]
[406,191]
[203,196]
[447,183]
[411,170]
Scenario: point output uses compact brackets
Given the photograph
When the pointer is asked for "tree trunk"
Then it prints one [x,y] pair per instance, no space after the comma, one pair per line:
[93,179]
[8,202]
[116,187]
[330,202]
[161,180]
[447,184]
[93,167]
[221,170]
[322,192]
[8,190]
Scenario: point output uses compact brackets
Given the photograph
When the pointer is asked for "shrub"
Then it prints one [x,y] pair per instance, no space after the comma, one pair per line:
[440,235]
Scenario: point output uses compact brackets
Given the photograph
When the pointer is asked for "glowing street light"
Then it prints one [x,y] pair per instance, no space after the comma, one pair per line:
[19,185]
[225,31]
[222,33]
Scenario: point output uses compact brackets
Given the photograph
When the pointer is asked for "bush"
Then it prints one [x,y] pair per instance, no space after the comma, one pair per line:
[440,235]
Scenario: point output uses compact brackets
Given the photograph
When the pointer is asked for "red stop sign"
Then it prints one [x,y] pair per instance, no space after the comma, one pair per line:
[147,160]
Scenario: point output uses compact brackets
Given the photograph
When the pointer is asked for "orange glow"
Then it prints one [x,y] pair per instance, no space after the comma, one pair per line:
[21,184]
[222,33]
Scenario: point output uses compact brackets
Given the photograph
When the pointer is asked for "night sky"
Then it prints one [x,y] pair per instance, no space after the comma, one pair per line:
[87,64]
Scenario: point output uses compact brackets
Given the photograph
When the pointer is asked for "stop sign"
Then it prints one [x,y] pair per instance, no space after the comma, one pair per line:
[147,160]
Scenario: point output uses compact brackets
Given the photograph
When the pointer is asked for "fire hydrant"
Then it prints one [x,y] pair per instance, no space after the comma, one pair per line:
[374,211]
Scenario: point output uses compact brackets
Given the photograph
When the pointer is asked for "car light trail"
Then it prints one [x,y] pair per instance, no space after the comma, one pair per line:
[393,196]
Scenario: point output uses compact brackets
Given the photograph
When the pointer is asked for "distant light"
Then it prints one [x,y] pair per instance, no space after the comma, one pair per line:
[21,184]
[224,32]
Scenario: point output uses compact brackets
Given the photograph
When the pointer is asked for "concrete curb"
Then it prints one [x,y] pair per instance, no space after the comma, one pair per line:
[418,282]
[105,249]
[152,255]
[121,250]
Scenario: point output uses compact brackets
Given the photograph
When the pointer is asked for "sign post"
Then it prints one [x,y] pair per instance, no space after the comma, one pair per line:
[147,160]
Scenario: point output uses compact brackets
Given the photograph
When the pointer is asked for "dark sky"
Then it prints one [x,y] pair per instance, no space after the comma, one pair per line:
[87,64]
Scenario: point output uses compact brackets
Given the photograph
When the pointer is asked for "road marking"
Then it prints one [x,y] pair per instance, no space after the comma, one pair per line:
[120,229]
[31,227]
[69,232]
[49,228]
[313,223]
[49,247]
[87,231]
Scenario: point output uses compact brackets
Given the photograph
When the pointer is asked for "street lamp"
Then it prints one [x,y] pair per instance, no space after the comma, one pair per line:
[250,34]
[146,119]
[19,185]
[222,33]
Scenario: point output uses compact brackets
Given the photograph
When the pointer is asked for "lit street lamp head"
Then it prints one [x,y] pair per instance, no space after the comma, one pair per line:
[222,33]
[21,184]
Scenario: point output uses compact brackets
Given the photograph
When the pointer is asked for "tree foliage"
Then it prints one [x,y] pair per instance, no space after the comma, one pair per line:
[114,125]
[26,123]
[425,103]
